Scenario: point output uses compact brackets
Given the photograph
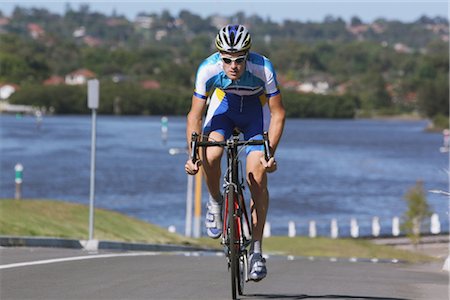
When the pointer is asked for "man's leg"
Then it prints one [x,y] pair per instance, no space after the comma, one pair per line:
[257,182]
[211,159]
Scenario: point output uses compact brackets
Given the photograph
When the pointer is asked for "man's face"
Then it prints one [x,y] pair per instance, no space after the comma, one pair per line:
[234,64]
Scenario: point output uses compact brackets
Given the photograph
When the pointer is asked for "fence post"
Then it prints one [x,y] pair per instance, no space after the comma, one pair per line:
[376,226]
[312,229]
[292,231]
[197,204]
[435,227]
[334,229]
[189,201]
[267,230]
[395,226]
[354,228]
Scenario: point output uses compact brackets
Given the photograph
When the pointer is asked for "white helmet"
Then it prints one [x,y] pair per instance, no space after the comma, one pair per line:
[233,38]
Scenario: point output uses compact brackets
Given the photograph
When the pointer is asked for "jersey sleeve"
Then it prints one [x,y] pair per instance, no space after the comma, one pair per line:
[200,90]
[206,76]
[271,84]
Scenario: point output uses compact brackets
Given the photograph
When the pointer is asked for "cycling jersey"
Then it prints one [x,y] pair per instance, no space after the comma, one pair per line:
[238,103]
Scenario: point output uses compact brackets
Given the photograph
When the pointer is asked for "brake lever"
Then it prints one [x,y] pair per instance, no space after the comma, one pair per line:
[194,139]
[267,154]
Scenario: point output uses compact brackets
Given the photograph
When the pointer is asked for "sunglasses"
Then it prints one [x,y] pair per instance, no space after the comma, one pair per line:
[238,60]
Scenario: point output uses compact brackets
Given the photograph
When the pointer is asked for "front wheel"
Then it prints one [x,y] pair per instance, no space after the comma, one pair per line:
[243,271]
[233,243]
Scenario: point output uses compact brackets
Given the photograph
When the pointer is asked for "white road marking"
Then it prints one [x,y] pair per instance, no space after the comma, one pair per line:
[74,258]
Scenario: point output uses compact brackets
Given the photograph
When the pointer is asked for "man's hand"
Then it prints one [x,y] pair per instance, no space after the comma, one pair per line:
[270,166]
[192,168]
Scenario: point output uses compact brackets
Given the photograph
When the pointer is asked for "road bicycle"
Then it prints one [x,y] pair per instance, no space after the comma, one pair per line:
[236,236]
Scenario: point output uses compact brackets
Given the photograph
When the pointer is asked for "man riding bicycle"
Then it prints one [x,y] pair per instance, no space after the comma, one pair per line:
[243,93]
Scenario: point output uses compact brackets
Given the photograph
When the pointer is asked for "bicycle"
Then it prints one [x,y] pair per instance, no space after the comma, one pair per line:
[236,235]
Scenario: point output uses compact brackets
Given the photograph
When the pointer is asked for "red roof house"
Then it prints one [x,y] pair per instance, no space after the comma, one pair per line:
[79,76]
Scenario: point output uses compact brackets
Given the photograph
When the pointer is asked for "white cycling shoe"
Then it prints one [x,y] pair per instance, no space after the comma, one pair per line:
[258,268]
[213,220]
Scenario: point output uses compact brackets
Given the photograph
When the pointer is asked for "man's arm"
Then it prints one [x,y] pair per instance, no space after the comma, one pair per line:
[194,118]
[194,124]
[277,119]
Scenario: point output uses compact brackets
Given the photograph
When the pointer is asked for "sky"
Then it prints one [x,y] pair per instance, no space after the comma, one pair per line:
[278,11]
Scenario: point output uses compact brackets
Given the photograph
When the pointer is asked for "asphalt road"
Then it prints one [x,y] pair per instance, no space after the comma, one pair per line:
[146,275]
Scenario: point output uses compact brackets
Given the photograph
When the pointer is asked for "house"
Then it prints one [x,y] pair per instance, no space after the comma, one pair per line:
[78,77]
[306,87]
[4,21]
[79,32]
[160,34]
[358,29]
[288,83]
[317,84]
[7,89]
[144,22]
[320,87]
[150,84]
[114,22]
[402,48]
[343,88]
[54,80]
[35,30]
[92,41]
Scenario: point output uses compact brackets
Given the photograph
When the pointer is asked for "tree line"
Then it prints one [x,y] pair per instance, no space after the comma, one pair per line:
[131,99]
[364,72]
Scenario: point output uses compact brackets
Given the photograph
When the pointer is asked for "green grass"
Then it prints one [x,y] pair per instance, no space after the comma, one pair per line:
[47,218]
[439,123]
[337,248]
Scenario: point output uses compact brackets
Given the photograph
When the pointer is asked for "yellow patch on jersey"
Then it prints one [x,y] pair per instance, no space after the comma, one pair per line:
[219,94]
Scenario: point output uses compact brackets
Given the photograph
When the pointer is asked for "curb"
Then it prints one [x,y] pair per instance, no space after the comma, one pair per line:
[93,245]
[403,240]
[11,241]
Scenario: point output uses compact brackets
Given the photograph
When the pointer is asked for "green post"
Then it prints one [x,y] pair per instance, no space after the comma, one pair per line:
[19,179]
[164,128]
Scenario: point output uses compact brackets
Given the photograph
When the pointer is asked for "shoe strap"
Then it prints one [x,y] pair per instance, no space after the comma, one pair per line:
[211,221]
[214,209]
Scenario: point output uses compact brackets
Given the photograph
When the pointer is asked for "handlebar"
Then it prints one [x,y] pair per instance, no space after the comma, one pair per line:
[195,143]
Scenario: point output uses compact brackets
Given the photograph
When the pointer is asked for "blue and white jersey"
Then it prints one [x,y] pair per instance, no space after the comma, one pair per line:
[241,103]
[259,77]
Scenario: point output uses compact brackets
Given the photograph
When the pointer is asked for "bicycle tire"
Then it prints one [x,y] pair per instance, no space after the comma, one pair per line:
[242,268]
[234,256]
[242,256]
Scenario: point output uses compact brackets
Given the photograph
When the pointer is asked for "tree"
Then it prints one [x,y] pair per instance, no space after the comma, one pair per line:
[418,210]
[433,96]
[356,21]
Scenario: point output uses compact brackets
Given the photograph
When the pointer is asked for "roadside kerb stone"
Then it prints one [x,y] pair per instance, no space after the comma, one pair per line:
[12,241]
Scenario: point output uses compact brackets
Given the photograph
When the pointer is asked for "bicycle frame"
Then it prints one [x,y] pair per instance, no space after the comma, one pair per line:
[236,221]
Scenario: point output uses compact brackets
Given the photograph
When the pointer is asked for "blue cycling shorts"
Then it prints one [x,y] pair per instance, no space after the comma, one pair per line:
[250,114]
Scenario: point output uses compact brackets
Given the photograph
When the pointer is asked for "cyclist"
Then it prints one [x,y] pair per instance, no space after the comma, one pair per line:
[243,93]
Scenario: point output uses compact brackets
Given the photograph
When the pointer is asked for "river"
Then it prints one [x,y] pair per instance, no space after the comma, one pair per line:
[328,169]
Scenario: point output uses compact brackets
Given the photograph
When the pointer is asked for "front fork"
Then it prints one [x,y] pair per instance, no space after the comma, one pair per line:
[243,237]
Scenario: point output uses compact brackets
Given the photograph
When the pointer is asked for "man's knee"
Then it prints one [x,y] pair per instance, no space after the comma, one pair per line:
[257,181]
[255,170]
[212,157]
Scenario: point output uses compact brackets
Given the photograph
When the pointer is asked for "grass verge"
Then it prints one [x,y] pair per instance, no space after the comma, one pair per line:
[48,218]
